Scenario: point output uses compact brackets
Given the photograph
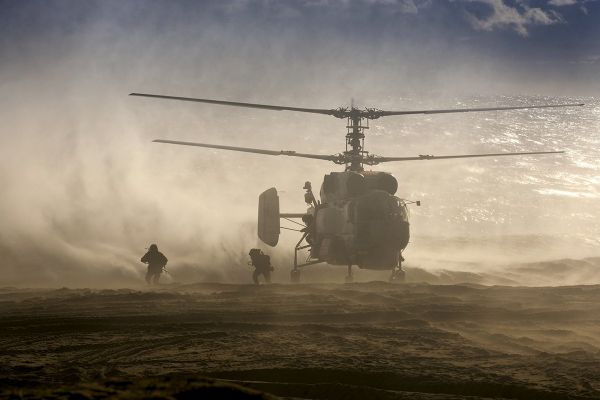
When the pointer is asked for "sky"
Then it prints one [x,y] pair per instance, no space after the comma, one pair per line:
[85,191]
[540,42]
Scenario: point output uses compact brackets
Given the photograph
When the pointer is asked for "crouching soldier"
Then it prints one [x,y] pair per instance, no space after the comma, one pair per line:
[156,264]
[262,265]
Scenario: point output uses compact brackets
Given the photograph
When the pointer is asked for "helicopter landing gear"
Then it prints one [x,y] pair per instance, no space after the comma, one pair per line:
[295,275]
[398,274]
[349,277]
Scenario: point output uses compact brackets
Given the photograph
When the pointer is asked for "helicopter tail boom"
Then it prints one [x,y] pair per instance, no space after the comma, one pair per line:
[292,215]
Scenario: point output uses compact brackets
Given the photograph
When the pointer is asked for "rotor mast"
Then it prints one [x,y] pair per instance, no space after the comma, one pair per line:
[355,141]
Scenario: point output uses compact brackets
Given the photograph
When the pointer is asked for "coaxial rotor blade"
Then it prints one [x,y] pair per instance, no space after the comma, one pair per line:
[372,114]
[240,104]
[369,113]
[251,150]
[378,159]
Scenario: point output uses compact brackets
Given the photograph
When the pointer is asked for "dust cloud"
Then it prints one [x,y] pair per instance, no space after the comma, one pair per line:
[86,191]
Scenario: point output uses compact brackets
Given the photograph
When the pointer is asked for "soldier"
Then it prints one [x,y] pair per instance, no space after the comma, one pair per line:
[262,263]
[156,263]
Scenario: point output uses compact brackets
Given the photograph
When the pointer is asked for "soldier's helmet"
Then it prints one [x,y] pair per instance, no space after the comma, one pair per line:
[153,247]
[254,252]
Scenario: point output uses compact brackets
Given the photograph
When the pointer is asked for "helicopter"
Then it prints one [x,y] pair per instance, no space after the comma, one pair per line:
[358,219]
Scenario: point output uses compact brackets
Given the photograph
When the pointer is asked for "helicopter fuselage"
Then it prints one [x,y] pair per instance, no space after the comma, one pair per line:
[358,221]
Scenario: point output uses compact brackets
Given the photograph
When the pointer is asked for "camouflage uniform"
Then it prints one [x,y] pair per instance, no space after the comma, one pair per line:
[262,263]
[156,263]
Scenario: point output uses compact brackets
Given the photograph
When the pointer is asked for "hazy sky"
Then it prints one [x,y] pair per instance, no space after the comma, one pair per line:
[85,190]
[535,40]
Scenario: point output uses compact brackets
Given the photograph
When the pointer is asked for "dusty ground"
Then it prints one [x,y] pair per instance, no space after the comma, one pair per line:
[364,340]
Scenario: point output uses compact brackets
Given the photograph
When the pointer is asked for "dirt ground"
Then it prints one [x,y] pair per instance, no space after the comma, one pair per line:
[329,341]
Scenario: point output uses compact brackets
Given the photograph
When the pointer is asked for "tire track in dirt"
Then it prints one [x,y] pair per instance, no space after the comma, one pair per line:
[453,338]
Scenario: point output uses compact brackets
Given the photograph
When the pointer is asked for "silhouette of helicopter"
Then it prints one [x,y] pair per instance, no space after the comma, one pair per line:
[358,219]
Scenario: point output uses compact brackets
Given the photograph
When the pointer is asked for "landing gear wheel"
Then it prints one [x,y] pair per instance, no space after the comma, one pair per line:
[295,275]
[398,275]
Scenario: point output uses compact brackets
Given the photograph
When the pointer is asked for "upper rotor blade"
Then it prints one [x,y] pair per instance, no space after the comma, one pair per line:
[250,150]
[430,157]
[239,104]
[383,113]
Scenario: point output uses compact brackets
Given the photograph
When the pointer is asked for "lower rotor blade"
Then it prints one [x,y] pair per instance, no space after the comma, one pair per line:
[250,150]
[431,157]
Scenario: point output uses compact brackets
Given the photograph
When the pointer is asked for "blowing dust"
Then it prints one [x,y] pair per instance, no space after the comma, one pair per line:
[86,191]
